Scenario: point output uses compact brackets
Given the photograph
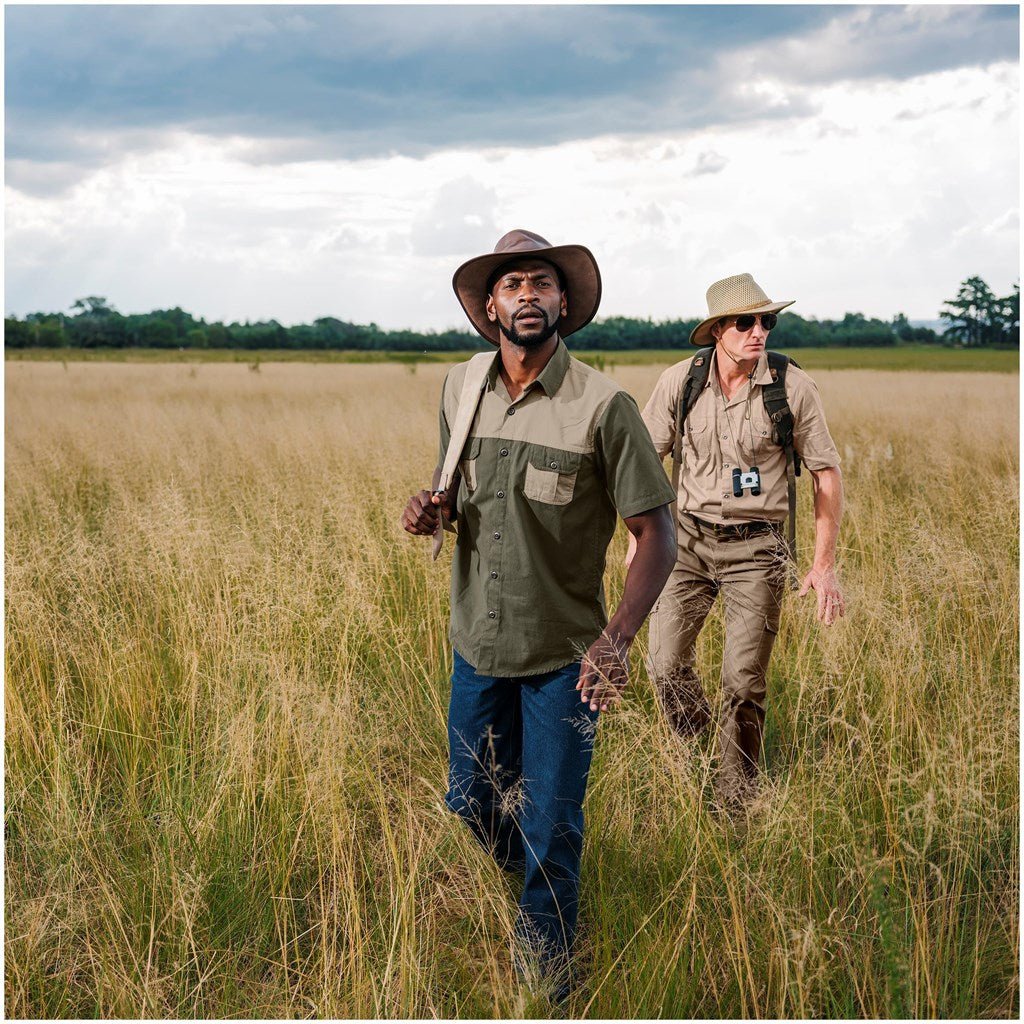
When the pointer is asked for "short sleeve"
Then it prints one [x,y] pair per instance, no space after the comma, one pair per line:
[634,476]
[659,414]
[811,437]
[444,429]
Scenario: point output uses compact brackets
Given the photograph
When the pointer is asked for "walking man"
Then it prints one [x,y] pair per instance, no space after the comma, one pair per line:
[552,453]
[739,421]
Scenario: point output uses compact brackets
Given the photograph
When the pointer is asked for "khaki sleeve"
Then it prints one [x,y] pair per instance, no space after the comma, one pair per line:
[634,476]
[659,413]
[811,438]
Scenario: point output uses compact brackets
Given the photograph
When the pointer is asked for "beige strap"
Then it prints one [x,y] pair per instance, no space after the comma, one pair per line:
[472,389]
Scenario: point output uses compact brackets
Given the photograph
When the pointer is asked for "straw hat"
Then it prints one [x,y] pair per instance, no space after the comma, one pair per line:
[579,270]
[732,296]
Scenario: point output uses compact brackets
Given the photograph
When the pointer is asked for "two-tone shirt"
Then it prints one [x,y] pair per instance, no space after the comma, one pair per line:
[722,434]
[542,480]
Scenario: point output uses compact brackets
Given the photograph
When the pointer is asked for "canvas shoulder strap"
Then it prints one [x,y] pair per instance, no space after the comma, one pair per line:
[469,400]
[777,406]
[696,379]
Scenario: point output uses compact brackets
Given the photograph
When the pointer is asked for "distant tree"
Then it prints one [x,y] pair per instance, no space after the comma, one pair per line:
[196,338]
[1008,314]
[17,333]
[93,305]
[977,317]
[158,334]
[217,336]
[51,334]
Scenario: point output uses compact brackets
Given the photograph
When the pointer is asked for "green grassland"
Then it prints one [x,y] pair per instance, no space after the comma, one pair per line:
[226,689]
[902,357]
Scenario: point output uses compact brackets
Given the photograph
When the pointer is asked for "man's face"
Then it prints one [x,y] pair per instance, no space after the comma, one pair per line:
[742,345]
[526,302]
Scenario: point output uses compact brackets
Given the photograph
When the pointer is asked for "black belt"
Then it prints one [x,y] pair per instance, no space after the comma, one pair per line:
[749,529]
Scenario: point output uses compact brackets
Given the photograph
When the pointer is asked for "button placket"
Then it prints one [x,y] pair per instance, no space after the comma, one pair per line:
[494,580]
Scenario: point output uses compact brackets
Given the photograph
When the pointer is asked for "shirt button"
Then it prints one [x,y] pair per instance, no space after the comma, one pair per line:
[512,410]
[504,451]
[554,465]
[497,536]
[501,494]
[492,615]
[494,575]
[725,437]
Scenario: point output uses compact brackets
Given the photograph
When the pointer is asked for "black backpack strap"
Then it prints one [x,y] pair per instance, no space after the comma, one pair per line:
[777,406]
[696,379]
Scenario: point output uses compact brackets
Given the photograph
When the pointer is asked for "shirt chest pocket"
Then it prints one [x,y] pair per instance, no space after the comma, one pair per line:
[551,476]
[758,431]
[697,436]
[467,464]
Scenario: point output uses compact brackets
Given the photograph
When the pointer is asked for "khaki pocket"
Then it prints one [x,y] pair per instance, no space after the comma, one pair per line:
[551,477]
[698,437]
[467,465]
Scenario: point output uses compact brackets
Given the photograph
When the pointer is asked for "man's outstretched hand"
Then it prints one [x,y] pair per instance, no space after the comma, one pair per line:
[825,585]
[604,673]
[422,511]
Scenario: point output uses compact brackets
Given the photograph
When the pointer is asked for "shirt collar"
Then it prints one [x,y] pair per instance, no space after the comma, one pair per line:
[550,378]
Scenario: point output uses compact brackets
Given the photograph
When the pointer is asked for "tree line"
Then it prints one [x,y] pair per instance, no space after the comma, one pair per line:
[976,317]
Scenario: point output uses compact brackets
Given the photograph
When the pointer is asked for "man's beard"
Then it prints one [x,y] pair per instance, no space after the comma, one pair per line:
[512,333]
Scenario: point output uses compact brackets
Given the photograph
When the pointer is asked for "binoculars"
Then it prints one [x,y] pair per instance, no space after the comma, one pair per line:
[743,481]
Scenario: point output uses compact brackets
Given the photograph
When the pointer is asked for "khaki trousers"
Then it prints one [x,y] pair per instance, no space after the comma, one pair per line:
[750,572]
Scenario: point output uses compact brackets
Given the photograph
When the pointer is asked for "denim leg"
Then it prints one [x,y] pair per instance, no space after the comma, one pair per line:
[558,741]
[485,751]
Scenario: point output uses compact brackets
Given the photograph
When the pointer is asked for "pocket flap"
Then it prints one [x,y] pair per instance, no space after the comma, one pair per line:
[555,460]
[472,449]
[551,475]
[467,463]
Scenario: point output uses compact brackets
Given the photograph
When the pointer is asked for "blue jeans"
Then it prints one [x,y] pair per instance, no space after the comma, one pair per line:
[519,754]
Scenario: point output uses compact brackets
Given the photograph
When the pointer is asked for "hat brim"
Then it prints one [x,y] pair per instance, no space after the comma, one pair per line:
[578,267]
[701,334]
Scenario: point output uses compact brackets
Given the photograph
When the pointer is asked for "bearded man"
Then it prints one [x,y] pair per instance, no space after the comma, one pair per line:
[549,453]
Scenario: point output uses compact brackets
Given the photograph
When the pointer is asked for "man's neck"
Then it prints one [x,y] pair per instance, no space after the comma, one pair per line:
[732,374]
[520,367]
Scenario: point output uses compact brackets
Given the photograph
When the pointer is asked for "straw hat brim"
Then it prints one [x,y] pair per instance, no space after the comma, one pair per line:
[701,334]
[578,267]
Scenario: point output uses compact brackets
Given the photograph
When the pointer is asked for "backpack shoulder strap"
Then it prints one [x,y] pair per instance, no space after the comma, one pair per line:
[696,379]
[775,401]
[776,404]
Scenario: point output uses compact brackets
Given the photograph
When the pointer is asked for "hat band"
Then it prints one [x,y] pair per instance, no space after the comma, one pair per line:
[740,309]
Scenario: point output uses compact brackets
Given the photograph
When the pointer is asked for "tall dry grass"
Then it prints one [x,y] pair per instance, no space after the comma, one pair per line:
[225,706]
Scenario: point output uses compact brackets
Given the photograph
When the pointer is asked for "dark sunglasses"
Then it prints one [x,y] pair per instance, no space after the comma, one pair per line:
[746,322]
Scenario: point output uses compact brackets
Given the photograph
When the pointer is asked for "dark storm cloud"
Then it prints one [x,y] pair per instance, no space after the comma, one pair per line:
[86,83]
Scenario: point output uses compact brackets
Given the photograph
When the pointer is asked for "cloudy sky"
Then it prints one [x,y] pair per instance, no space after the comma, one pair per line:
[294,162]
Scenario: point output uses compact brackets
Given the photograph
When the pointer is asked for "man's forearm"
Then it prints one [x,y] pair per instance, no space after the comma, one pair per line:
[648,572]
[828,514]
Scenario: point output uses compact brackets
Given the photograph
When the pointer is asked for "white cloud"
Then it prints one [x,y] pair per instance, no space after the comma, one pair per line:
[852,209]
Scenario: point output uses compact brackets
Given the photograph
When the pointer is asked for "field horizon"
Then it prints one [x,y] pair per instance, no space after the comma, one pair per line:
[914,357]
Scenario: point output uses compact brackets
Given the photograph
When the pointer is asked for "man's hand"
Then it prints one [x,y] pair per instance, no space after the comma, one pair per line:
[422,511]
[825,585]
[604,673]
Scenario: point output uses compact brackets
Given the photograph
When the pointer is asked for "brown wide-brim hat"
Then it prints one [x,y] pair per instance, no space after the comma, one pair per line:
[730,297]
[576,262]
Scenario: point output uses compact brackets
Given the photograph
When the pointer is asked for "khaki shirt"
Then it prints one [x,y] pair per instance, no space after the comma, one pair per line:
[718,433]
[542,480]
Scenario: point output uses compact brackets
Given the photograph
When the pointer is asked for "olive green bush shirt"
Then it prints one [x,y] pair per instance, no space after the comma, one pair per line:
[542,479]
